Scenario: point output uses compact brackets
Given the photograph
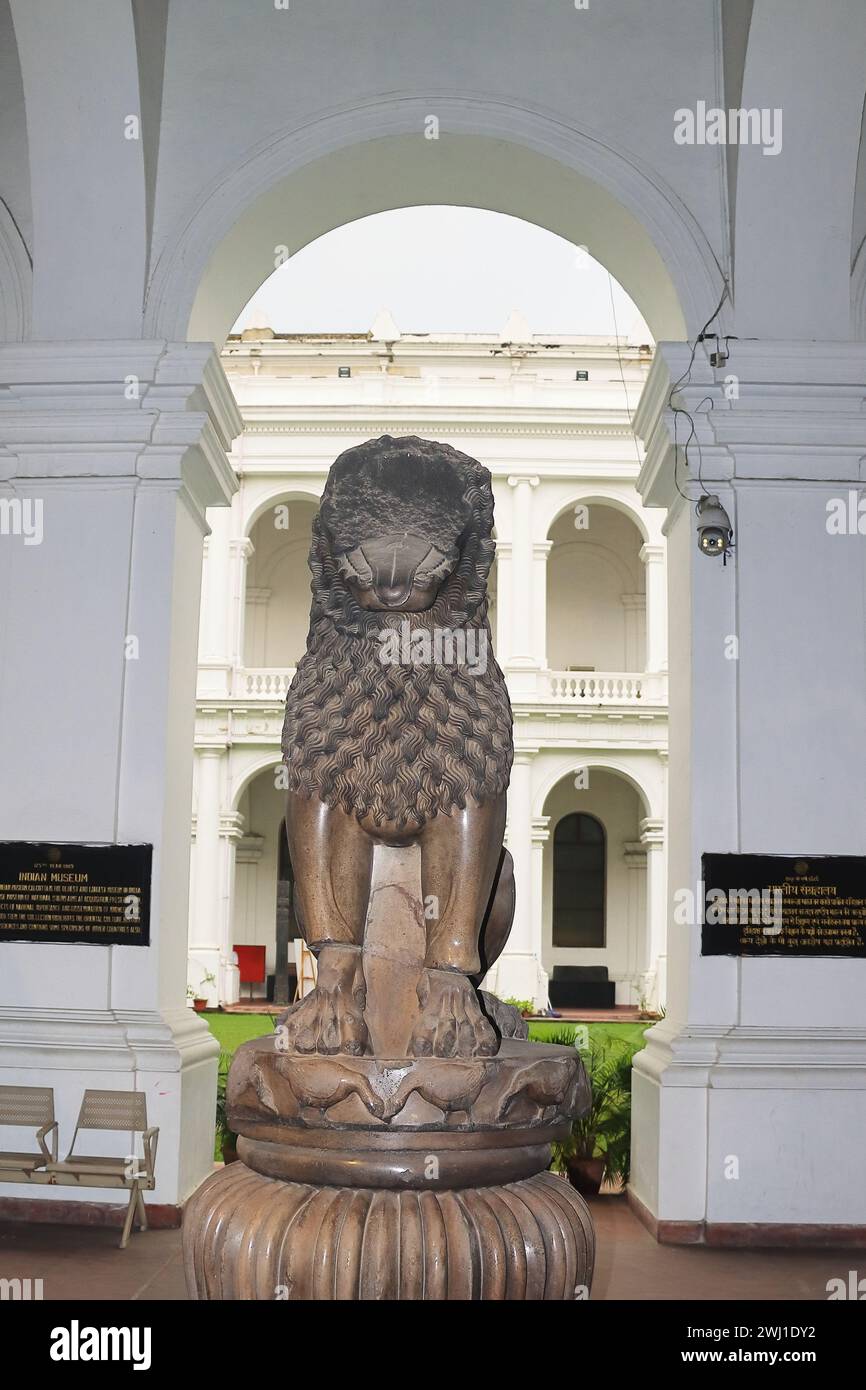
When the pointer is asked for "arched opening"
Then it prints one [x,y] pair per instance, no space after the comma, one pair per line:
[368,160]
[596,844]
[262,912]
[579,881]
[277,607]
[495,387]
[596,592]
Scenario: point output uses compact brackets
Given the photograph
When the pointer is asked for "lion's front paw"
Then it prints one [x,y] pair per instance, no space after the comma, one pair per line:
[331,1019]
[451,1023]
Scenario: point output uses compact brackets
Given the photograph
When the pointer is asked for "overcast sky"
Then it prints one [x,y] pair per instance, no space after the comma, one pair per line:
[441,269]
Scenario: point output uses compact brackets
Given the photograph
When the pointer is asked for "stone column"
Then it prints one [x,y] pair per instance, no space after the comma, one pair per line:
[502,637]
[204,936]
[515,975]
[123,444]
[652,837]
[653,557]
[258,599]
[767,756]
[240,553]
[540,837]
[231,830]
[522,661]
[214,659]
[634,606]
[635,861]
[540,553]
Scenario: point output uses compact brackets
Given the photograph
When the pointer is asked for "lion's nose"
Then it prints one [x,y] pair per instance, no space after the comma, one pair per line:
[393,562]
[394,594]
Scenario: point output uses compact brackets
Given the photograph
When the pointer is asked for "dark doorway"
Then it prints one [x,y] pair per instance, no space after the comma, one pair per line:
[578,881]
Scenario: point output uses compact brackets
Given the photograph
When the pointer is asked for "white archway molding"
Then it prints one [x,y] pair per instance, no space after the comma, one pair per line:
[599,496]
[568,767]
[16,281]
[348,163]
[272,495]
[246,765]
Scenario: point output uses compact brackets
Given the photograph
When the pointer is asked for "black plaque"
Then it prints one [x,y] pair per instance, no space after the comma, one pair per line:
[784,905]
[98,894]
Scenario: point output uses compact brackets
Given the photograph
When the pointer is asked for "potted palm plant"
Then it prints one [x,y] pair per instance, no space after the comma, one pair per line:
[599,1146]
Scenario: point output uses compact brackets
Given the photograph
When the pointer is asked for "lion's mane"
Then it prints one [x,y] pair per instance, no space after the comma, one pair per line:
[398,743]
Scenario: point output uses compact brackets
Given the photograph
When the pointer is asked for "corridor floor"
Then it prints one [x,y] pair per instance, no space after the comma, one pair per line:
[84,1263]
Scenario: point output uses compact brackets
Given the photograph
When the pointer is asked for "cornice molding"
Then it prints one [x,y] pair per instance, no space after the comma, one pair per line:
[66,413]
[797,416]
[358,424]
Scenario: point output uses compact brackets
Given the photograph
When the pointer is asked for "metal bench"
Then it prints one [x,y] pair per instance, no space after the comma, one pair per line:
[28,1107]
[112,1111]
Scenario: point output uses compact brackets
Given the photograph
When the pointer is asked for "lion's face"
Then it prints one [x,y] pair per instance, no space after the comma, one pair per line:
[398,572]
[394,513]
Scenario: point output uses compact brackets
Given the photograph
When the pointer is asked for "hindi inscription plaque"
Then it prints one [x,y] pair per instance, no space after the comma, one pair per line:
[784,905]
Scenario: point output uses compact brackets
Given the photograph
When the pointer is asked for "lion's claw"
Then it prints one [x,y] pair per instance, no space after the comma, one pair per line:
[331,1019]
[451,1023]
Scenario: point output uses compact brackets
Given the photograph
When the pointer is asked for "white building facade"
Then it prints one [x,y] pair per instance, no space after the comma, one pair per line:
[577,610]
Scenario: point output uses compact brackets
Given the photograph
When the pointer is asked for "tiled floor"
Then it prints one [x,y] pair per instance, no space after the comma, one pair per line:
[81,1263]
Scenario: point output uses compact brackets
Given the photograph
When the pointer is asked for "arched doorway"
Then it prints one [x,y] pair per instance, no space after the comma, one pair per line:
[602,871]
[578,917]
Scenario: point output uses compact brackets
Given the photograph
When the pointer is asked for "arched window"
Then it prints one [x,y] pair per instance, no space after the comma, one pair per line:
[578,881]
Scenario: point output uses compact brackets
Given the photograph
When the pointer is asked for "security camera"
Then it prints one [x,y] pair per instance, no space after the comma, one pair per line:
[715,532]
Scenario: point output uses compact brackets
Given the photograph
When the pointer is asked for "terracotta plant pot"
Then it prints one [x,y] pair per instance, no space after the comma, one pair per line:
[199,1005]
[585,1174]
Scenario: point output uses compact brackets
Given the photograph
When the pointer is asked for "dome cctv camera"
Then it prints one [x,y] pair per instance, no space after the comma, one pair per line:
[714,527]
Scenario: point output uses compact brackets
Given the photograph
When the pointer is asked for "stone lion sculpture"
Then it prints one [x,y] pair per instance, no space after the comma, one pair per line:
[398,732]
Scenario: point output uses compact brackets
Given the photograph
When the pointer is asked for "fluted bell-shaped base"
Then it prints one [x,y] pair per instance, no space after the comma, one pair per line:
[249,1236]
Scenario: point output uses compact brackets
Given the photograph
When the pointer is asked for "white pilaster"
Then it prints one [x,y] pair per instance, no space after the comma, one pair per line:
[540,552]
[124,443]
[653,557]
[502,635]
[522,662]
[204,934]
[634,606]
[231,830]
[655,954]
[240,553]
[635,861]
[767,756]
[518,974]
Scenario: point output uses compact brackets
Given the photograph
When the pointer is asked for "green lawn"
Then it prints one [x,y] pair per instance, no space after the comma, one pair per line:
[231,1030]
[631,1033]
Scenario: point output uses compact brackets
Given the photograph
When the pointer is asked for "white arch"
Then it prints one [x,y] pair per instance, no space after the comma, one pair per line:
[601,496]
[273,499]
[272,758]
[571,764]
[347,163]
